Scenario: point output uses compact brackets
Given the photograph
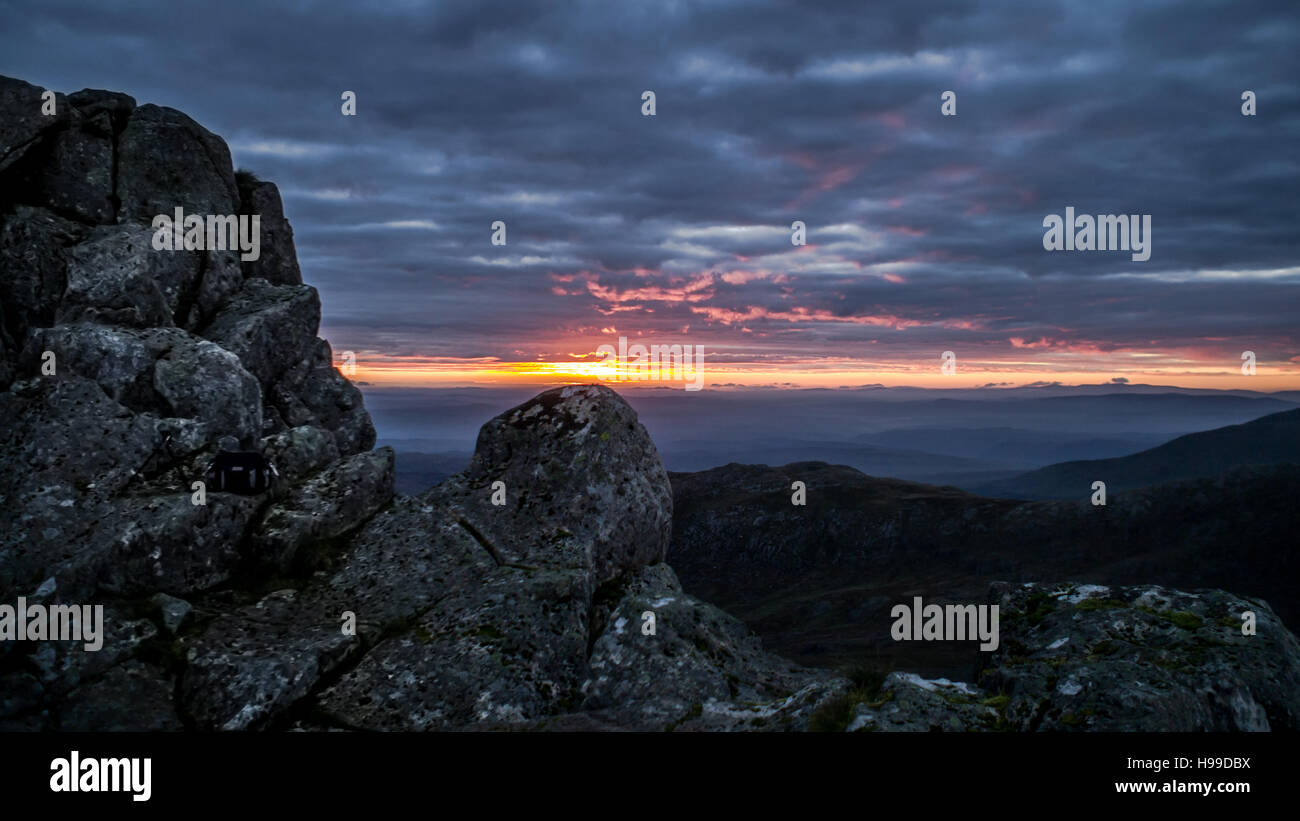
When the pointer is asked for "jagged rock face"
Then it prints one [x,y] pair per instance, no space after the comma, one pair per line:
[467,613]
[278,261]
[122,367]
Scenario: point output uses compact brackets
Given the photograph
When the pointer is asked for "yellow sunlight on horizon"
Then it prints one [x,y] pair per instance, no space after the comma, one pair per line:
[480,373]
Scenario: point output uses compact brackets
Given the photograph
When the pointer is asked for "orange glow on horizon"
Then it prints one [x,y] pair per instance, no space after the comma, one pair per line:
[448,372]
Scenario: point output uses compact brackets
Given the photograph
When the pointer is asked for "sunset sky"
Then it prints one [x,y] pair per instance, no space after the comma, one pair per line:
[924,231]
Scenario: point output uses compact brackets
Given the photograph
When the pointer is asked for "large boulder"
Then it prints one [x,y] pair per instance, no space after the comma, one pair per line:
[71,170]
[666,660]
[165,371]
[120,360]
[33,268]
[166,160]
[584,486]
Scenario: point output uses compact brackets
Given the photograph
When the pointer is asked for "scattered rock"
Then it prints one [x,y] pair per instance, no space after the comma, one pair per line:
[172,612]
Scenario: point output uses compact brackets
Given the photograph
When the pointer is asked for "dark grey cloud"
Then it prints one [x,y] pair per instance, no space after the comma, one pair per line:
[767,112]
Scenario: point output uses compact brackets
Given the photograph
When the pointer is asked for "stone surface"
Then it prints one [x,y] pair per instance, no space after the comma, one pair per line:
[172,612]
[33,269]
[23,123]
[252,665]
[277,261]
[324,507]
[71,169]
[582,479]
[96,707]
[267,326]
[313,392]
[1142,658]
[165,161]
[116,277]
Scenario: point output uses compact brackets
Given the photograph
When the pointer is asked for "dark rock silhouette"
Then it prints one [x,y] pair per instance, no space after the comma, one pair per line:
[326,602]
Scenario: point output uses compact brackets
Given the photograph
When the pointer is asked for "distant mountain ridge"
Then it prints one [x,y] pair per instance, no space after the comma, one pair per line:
[1272,439]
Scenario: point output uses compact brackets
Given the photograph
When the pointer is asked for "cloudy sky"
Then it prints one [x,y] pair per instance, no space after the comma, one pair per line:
[925,232]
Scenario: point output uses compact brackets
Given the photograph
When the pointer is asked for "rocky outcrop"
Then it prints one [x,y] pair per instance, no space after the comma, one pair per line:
[123,369]
[465,617]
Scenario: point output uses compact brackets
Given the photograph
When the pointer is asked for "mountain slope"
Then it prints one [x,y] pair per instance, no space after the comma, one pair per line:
[1269,440]
[817,581]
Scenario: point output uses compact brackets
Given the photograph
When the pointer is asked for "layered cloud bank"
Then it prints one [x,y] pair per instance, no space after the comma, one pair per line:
[924,231]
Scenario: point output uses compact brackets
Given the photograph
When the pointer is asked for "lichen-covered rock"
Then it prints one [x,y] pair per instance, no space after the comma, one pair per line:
[252,665]
[1142,658]
[907,702]
[33,268]
[67,448]
[120,360]
[300,451]
[255,662]
[267,326]
[511,647]
[116,277]
[164,371]
[93,101]
[664,660]
[201,381]
[584,485]
[61,666]
[71,170]
[324,507]
[164,543]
